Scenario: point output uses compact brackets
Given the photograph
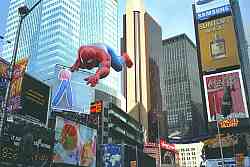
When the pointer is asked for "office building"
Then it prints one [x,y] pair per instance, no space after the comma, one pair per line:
[99,24]
[53,32]
[157,118]
[180,88]
[189,154]
[142,41]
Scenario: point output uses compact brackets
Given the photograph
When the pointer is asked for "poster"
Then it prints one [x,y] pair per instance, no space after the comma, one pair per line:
[75,144]
[14,103]
[3,79]
[112,155]
[218,44]
[70,92]
[225,96]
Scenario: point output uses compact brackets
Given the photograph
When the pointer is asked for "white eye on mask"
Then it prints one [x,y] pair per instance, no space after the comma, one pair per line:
[90,61]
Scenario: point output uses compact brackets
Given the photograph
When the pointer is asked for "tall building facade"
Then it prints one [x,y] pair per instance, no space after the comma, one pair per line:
[99,24]
[190,154]
[156,117]
[138,43]
[53,32]
[180,87]
[29,35]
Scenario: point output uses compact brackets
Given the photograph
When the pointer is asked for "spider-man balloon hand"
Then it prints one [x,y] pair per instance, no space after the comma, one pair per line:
[101,56]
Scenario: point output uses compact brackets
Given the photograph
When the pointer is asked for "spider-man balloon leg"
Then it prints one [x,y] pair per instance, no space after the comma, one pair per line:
[117,62]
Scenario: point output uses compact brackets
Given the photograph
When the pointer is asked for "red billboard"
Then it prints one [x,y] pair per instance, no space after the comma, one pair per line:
[225,96]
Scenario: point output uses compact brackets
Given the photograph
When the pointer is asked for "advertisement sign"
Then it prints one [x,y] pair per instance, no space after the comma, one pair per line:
[215,12]
[16,85]
[204,5]
[225,96]
[75,144]
[153,150]
[70,92]
[112,155]
[35,98]
[3,79]
[218,44]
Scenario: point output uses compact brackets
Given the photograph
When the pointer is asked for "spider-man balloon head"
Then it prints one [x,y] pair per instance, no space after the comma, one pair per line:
[87,59]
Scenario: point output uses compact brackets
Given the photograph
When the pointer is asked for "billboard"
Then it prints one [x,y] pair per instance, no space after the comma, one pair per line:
[14,103]
[112,155]
[75,144]
[215,12]
[3,79]
[218,44]
[35,98]
[225,96]
[204,5]
[70,92]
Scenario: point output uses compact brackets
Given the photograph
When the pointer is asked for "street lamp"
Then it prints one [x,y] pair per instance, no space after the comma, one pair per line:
[221,151]
[23,11]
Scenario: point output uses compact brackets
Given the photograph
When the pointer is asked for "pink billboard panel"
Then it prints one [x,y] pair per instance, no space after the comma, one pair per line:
[225,96]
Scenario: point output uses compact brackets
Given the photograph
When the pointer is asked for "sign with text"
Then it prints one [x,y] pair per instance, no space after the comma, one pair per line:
[229,123]
[204,5]
[225,96]
[218,44]
[215,12]
[35,98]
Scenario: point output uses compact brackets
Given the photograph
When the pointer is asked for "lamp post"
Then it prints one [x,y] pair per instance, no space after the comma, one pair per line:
[220,142]
[23,11]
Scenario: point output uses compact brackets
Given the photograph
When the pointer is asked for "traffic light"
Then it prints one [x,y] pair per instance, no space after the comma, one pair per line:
[96,107]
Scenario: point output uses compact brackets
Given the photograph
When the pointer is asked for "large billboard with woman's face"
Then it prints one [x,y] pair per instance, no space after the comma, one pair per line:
[225,96]
[75,144]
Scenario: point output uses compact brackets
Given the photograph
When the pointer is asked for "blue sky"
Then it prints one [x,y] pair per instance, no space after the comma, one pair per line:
[174,16]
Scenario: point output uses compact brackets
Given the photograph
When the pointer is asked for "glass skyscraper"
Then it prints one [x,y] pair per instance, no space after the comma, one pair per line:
[99,24]
[53,32]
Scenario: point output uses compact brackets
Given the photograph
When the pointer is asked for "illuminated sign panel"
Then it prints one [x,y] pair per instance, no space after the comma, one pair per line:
[229,123]
[96,107]
[218,44]
[167,146]
[205,15]
[35,98]
[225,96]
[204,5]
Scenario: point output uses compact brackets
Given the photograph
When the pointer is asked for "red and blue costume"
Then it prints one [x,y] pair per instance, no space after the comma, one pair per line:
[101,56]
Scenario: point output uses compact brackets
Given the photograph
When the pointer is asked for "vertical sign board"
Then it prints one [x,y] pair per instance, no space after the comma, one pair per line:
[3,79]
[14,103]
[35,98]
[225,96]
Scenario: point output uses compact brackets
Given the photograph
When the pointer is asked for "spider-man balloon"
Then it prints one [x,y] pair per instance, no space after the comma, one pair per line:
[101,56]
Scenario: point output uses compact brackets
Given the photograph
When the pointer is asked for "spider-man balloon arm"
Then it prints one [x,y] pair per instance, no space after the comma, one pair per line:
[102,72]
